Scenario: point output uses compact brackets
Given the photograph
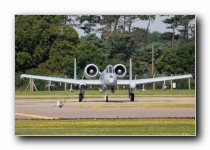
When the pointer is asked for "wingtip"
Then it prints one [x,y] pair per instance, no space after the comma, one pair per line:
[23,76]
[191,76]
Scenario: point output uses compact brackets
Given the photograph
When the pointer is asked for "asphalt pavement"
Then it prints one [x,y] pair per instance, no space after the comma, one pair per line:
[98,108]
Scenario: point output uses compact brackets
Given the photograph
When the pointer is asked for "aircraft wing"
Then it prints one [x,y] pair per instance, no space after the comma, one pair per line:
[152,80]
[64,80]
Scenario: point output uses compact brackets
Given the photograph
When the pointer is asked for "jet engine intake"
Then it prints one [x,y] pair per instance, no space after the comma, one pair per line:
[120,70]
[91,71]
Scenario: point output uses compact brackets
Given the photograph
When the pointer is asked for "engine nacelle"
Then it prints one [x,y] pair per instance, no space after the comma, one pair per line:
[164,87]
[120,70]
[82,86]
[91,71]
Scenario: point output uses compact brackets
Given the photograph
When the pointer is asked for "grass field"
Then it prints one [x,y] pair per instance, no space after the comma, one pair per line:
[135,127]
[97,94]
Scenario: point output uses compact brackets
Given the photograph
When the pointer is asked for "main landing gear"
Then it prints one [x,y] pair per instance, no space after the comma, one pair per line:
[81,96]
[131,95]
[82,91]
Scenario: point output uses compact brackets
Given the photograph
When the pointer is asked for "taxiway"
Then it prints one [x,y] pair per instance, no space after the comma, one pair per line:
[98,108]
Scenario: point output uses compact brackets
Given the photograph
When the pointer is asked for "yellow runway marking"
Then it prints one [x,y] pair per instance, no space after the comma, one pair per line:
[35,116]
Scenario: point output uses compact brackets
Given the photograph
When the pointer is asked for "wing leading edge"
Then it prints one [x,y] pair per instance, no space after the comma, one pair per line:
[64,80]
[98,82]
[152,80]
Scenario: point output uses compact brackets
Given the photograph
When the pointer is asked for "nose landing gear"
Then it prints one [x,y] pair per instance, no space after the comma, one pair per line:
[106,96]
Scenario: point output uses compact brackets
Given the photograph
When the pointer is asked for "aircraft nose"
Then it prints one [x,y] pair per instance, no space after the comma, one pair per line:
[111,81]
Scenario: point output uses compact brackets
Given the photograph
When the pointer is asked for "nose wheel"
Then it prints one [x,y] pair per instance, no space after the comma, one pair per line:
[131,97]
[81,95]
[106,96]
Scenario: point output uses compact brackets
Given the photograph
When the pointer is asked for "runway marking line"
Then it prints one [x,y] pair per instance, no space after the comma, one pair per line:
[35,116]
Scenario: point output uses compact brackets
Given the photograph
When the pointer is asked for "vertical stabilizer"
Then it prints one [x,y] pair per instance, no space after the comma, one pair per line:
[75,69]
[130,73]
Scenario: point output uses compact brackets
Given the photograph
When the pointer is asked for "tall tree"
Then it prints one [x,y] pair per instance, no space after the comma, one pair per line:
[150,19]
[62,52]
[34,36]
[172,21]
[130,20]
[88,22]
[185,26]
[112,24]
[179,61]
[109,25]
[121,44]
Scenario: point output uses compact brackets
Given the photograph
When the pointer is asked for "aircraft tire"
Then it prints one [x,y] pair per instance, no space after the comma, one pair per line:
[131,97]
[106,98]
[80,97]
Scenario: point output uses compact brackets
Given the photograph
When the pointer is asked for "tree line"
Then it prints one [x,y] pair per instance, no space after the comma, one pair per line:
[47,45]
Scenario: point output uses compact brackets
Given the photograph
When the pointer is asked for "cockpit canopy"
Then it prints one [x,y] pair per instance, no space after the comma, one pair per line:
[109,69]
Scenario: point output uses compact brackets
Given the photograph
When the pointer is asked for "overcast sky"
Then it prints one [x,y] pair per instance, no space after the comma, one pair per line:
[156,25]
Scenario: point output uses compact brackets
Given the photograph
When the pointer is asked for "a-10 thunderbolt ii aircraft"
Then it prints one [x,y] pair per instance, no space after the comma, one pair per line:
[110,77]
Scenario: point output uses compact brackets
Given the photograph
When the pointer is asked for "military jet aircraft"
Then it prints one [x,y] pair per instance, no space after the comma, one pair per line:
[110,77]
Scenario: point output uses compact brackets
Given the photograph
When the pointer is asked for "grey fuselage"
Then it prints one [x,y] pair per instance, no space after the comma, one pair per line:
[108,76]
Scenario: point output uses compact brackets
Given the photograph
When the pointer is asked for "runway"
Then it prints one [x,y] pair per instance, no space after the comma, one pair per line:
[98,108]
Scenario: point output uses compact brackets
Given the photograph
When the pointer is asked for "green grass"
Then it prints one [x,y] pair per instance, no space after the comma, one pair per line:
[97,94]
[170,126]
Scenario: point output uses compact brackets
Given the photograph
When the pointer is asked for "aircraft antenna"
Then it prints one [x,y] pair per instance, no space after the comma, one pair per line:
[75,69]
[130,74]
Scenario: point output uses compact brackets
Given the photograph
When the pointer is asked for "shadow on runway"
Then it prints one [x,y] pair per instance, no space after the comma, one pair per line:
[110,101]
